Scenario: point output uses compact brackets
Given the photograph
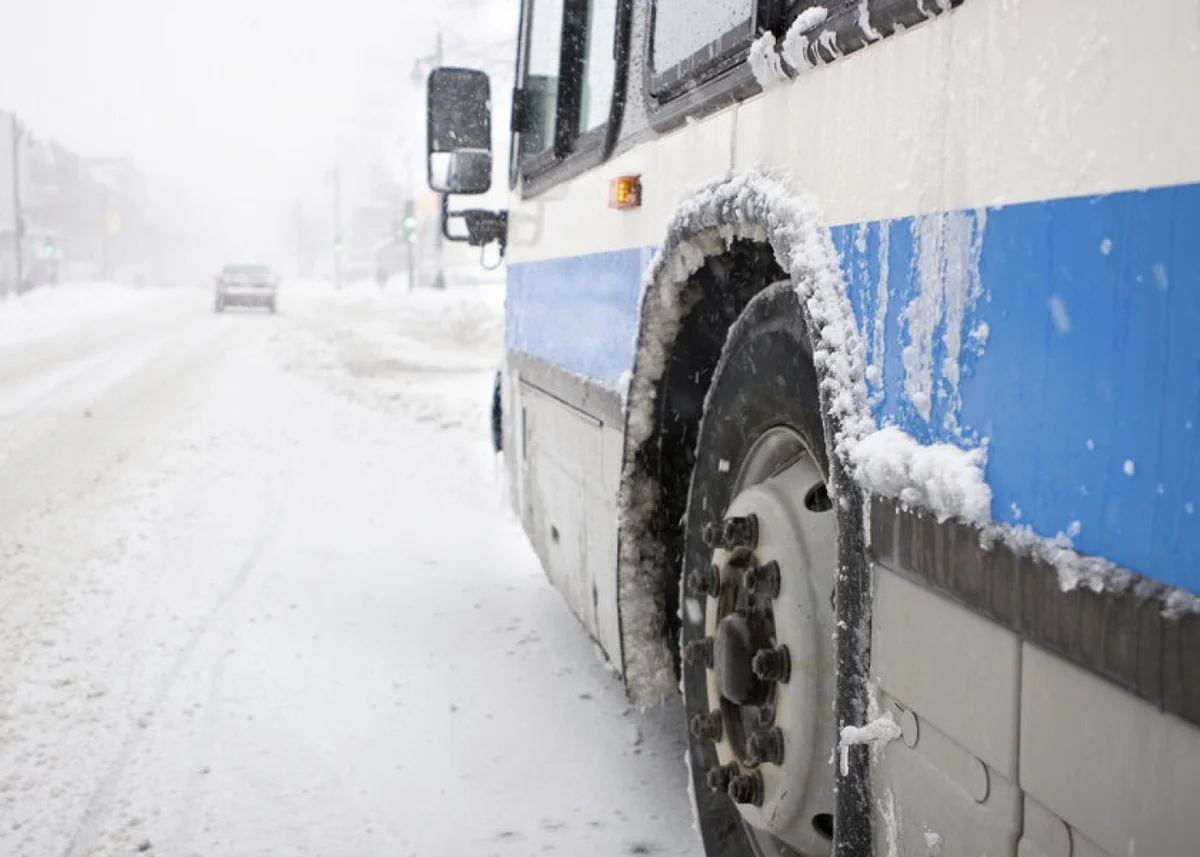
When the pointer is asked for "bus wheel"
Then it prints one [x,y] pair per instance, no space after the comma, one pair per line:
[759,559]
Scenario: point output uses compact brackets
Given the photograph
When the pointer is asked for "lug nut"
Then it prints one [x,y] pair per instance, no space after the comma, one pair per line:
[719,776]
[713,535]
[772,664]
[705,581]
[762,715]
[735,532]
[740,532]
[766,747]
[763,579]
[699,653]
[746,788]
[708,727]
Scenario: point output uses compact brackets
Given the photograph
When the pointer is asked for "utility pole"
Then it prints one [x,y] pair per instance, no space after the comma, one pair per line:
[18,219]
[337,226]
[439,278]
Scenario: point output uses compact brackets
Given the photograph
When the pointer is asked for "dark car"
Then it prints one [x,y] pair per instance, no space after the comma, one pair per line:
[246,284]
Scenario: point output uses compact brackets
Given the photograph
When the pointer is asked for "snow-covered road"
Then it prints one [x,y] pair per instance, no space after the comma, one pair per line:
[260,593]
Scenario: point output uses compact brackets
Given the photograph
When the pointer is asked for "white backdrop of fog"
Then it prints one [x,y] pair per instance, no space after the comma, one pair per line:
[240,107]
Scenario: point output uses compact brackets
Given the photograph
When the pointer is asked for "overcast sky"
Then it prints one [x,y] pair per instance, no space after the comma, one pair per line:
[244,101]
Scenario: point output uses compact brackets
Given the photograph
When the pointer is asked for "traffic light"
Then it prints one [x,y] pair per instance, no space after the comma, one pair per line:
[337,246]
[410,222]
[48,248]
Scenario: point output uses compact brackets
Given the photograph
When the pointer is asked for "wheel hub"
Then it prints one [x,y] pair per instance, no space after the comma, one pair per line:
[740,636]
[767,647]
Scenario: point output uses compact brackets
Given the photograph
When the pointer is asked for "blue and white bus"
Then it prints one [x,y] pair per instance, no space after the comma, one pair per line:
[852,391]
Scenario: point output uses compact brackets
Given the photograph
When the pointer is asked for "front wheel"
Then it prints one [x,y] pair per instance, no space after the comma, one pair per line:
[758,572]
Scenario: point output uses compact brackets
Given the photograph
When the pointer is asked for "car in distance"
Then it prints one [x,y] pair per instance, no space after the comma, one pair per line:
[246,284]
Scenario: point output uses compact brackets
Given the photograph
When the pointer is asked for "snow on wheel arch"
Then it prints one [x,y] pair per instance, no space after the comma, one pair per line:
[758,206]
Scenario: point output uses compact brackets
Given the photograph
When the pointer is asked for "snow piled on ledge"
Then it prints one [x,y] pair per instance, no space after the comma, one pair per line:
[949,482]
[946,480]
[765,63]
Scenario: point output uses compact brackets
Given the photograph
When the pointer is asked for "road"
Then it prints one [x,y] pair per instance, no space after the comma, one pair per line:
[260,593]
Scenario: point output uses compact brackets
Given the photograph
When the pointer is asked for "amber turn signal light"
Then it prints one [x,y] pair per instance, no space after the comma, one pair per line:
[625,192]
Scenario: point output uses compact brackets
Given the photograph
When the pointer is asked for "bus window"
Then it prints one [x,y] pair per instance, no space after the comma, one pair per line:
[541,75]
[683,29]
[598,65]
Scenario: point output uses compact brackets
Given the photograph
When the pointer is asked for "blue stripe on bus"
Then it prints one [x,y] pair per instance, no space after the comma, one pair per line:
[1087,388]
[578,312]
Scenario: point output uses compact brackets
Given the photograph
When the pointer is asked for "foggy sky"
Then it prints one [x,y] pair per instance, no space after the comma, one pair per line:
[244,102]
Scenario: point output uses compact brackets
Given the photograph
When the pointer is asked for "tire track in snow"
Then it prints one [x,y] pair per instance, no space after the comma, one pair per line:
[102,796]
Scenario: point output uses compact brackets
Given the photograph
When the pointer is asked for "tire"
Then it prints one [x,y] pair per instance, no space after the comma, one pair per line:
[764,391]
[271,306]
[219,306]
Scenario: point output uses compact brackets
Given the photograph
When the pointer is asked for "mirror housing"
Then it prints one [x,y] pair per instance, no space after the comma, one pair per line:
[458,131]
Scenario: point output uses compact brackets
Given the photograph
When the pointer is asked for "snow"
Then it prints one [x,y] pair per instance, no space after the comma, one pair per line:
[891,823]
[796,40]
[51,311]
[942,478]
[877,733]
[1160,277]
[864,22]
[765,62]
[1128,468]
[879,324]
[933,843]
[1059,315]
[809,19]
[948,248]
[979,337]
[261,593]
[1106,246]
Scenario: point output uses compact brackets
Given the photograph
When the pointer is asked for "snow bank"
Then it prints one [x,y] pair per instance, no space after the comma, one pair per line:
[50,310]
[429,354]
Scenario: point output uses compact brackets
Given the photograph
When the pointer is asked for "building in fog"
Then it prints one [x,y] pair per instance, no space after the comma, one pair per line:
[120,204]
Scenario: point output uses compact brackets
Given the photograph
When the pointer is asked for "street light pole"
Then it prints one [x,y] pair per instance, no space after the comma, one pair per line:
[18,220]
[418,76]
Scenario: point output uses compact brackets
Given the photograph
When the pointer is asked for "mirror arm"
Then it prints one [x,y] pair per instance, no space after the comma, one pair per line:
[444,202]
[483,227]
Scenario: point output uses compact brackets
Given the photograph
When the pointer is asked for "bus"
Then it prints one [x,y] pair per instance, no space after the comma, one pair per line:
[851,393]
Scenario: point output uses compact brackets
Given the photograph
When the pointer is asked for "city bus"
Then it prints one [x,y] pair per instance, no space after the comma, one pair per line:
[851,394]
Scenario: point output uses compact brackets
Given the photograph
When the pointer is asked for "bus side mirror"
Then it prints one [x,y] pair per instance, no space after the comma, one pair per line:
[458,129]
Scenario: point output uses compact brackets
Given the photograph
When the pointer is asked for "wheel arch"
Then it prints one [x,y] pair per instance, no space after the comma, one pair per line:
[717,226]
